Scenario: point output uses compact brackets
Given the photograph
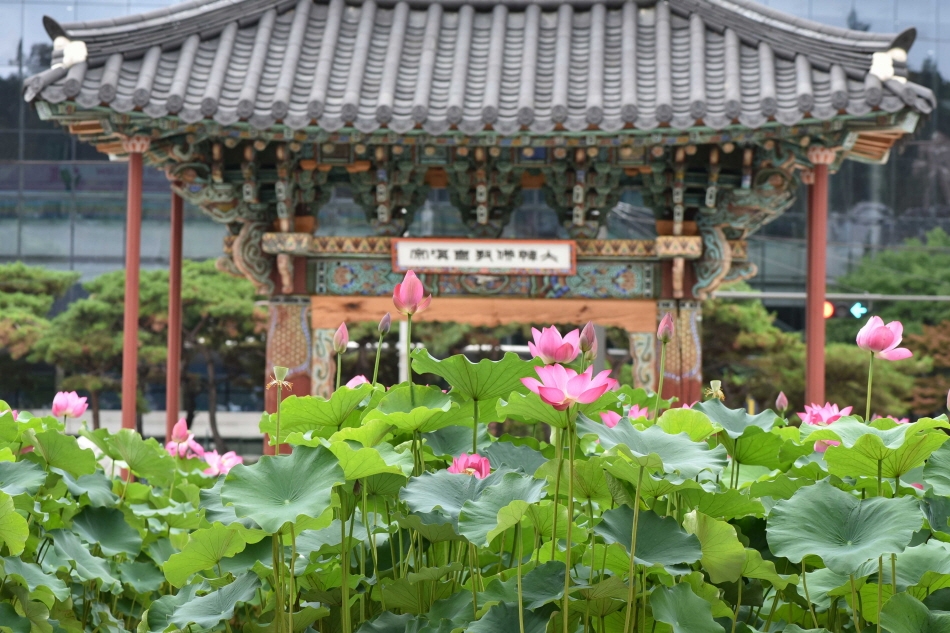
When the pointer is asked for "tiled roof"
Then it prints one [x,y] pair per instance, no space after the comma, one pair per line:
[506,65]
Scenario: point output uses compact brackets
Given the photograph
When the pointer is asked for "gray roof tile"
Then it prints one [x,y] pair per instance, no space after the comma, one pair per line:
[507,64]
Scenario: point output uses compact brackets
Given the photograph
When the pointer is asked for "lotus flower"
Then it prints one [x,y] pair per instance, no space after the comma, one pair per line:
[550,347]
[898,420]
[341,338]
[356,381]
[882,340]
[636,412]
[561,387]
[588,339]
[384,324]
[182,442]
[781,402]
[408,295]
[665,331]
[917,486]
[610,418]
[221,464]
[817,415]
[13,412]
[466,464]
[68,404]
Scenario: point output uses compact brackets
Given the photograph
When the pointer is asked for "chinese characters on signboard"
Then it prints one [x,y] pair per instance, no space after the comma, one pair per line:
[508,257]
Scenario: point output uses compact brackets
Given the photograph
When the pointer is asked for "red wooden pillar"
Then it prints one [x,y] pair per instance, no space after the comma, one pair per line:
[820,157]
[133,242]
[173,369]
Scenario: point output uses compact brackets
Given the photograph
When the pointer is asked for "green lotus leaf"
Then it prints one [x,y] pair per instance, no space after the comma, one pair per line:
[514,457]
[299,414]
[159,614]
[368,434]
[142,577]
[385,486]
[35,611]
[59,450]
[94,489]
[660,541]
[914,564]
[694,423]
[445,491]
[206,548]
[876,440]
[603,597]
[388,622]
[13,620]
[107,528]
[484,380]
[540,517]
[504,617]
[794,628]
[452,441]
[13,527]
[756,447]
[840,528]
[779,487]
[655,449]
[723,555]
[736,422]
[856,461]
[359,463]
[22,477]
[209,610]
[327,541]
[32,577]
[499,507]
[590,482]
[683,610]
[84,566]
[756,567]
[427,410]
[279,489]
[405,595]
[530,409]
[937,472]
[216,511]
[145,458]
[540,586]
[651,485]
[905,614]
[728,505]
[432,526]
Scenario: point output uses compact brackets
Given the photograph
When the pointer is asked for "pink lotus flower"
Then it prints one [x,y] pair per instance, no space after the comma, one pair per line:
[550,347]
[636,412]
[898,420]
[817,415]
[68,404]
[781,402]
[588,339]
[408,295]
[561,387]
[13,412]
[221,464]
[882,340]
[182,442]
[466,464]
[341,338]
[610,418]
[665,331]
[917,486]
[356,381]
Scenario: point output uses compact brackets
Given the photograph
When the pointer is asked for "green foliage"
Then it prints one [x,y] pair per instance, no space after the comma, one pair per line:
[363,528]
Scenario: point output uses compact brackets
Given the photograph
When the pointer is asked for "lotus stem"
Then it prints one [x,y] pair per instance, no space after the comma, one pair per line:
[339,369]
[520,597]
[880,589]
[854,606]
[344,569]
[659,387]
[811,607]
[570,521]
[293,593]
[735,615]
[880,480]
[277,436]
[768,622]
[379,350]
[475,428]
[412,392]
[867,414]
[473,563]
[558,437]
[632,595]
[894,574]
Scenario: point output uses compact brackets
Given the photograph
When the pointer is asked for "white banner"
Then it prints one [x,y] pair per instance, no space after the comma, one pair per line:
[508,257]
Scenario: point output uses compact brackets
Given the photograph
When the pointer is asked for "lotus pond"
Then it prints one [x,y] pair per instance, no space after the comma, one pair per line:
[393,510]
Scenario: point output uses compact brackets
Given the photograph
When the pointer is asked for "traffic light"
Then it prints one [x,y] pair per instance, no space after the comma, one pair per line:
[845,310]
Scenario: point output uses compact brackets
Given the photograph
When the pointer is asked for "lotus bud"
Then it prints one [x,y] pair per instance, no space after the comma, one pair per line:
[341,338]
[384,324]
[664,333]
[280,373]
[948,399]
[588,339]
[781,402]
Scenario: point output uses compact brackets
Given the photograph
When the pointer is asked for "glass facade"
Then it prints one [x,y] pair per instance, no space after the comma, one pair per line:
[62,203]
